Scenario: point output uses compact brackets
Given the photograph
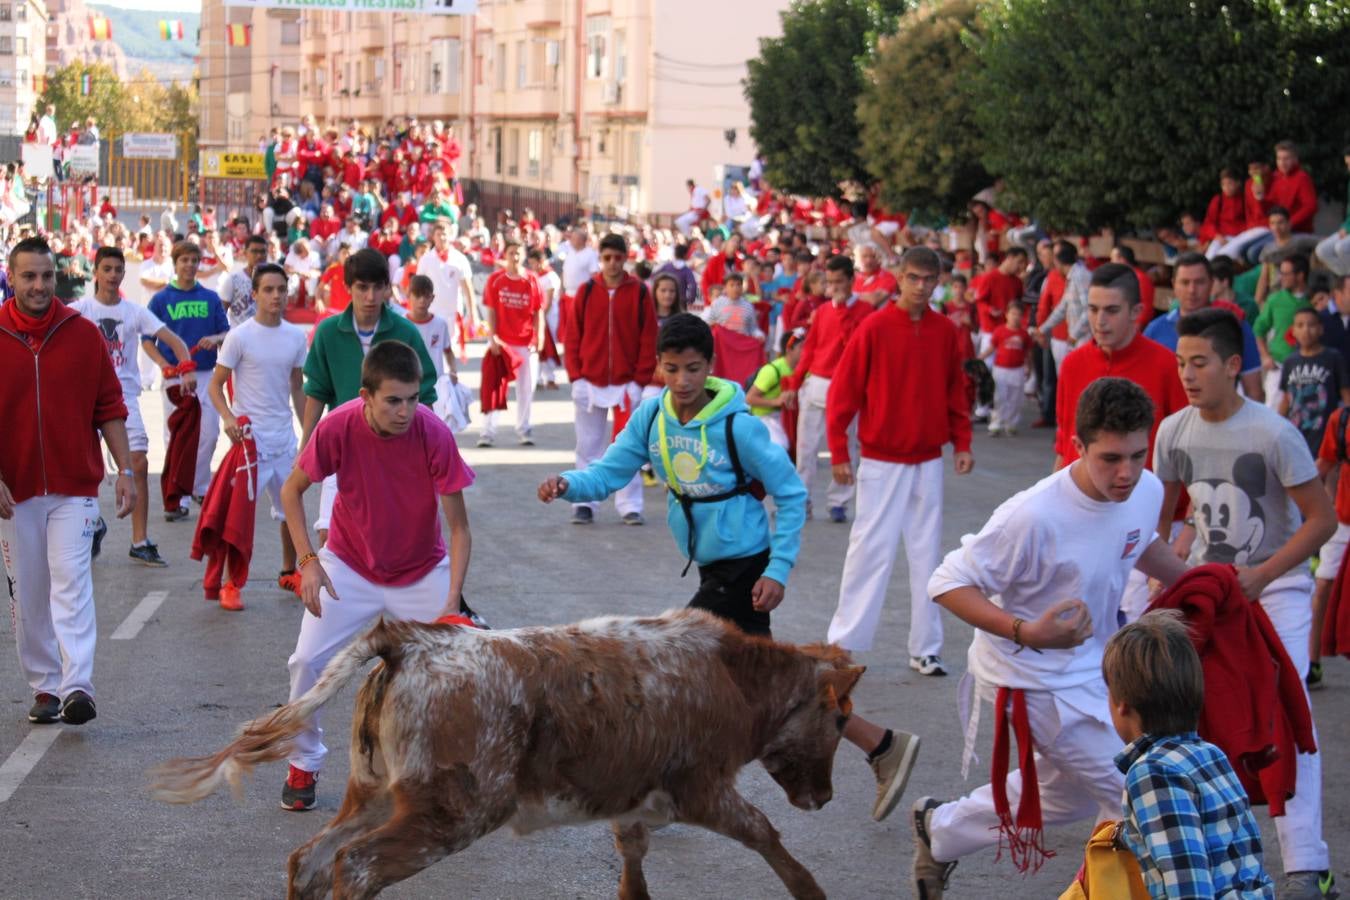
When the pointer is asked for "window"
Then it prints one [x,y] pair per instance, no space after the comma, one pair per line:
[538,61]
[513,154]
[400,50]
[6,78]
[6,45]
[6,12]
[444,63]
[21,46]
[320,76]
[377,72]
[520,64]
[290,84]
[21,12]
[534,149]
[499,67]
[496,151]
[338,83]
[597,30]
[21,77]
[290,33]
[620,57]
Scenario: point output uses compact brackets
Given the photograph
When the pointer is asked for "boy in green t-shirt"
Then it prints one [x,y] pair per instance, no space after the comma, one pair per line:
[763,393]
[1277,315]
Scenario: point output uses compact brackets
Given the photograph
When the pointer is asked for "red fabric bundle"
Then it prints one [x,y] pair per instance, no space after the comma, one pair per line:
[1336,625]
[1255,708]
[499,370]
[736,357]
[225,529]
[550,351]
[180,457]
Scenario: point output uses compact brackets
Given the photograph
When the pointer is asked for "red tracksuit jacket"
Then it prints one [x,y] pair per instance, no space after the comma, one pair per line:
[611,340]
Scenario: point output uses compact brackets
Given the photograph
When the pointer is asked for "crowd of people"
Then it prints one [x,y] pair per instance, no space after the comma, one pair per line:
[712,357]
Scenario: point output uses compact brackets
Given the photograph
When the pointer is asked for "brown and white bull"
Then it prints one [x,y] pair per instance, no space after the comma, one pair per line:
[639,721]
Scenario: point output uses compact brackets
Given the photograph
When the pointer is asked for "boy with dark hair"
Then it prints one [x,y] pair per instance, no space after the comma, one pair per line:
[717,463]
[1277,315]
[515,324]
[1011,349]
[1258,505]
[398,471]
[1313,380]
[765,394]
[732,310]
[1187,818]
[1046,574]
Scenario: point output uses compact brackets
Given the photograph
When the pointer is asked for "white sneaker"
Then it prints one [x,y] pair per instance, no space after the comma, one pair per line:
[927,665]
[484,441]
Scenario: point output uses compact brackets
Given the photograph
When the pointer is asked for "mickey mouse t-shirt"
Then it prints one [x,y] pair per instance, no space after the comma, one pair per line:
[1236,473]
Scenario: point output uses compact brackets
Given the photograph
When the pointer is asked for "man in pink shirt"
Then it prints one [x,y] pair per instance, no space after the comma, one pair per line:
[385,556]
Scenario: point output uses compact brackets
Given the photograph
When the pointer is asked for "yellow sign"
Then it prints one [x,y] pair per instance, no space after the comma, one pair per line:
[217,164]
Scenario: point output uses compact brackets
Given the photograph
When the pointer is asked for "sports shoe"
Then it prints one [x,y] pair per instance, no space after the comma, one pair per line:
[1042,423]
[930,875]
[45,710]
[634,518]
[583,515]
[78,708]
[1011,432]
[484,441]
[469,613]
[995,432]
[527,440]
[927,665]
[298,793]
[1314,678]
[837,515]
[147,554]
[1308,886]
[229,598]
[177,515]
[199,499]
[892,769]
[100,531]
[289,580]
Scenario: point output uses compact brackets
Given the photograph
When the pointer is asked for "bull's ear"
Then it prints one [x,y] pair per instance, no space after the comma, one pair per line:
[841,681]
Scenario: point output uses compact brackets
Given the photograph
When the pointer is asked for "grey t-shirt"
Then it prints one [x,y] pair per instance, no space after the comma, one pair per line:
[1236,472]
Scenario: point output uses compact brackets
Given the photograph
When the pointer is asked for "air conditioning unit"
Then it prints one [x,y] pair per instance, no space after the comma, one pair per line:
[552,53]
[613,92]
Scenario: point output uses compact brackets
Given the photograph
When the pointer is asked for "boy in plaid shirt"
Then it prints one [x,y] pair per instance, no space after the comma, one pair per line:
[1186,816]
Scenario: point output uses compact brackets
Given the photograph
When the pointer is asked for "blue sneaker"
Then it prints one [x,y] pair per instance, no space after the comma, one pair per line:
[838,515]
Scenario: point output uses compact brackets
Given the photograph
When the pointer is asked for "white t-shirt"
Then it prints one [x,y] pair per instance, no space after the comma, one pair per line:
[1050,543]
[123,325]
[551,285]
[579,266]
[158,271]
[446,276]
[304,266]
[436,335]
[699,198]
[263,359]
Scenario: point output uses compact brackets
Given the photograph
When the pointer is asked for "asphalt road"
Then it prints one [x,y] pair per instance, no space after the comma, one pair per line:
[81,824]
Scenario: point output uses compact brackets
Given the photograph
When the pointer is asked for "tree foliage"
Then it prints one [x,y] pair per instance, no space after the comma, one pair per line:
[803,90]
[919,137]
[1121,112]
[141,103]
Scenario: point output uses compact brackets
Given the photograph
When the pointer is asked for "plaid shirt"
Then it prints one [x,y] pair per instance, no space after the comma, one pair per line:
[1188,820]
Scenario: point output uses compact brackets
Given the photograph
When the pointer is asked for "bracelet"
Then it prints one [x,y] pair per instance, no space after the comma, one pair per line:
[126,473]
[1017,636]
[305,560]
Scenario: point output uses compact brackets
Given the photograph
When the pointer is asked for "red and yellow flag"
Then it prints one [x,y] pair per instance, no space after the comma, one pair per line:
[170,29]
[100,29]
[240,35]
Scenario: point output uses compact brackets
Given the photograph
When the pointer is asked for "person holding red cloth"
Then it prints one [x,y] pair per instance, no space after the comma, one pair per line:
[901,377]
[515,321]
[61,391]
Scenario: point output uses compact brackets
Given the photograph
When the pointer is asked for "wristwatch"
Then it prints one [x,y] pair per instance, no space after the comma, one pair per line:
[126,472]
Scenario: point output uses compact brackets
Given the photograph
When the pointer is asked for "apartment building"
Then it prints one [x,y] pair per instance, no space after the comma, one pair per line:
[23,55]
[614,101]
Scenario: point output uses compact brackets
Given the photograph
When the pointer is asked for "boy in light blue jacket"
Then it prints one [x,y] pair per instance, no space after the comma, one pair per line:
[718,463]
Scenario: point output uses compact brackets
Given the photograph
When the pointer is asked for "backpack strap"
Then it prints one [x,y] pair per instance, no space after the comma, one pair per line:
[741,480]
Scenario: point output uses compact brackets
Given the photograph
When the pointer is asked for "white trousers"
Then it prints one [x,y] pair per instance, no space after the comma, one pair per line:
[686,221]
[525,381]
[1008,397]
[1335,252]
[46,546]
[1076,772]
[593,436]
[774,423]
[206,442]
[810,434]
[1270,380]
[1288,603]
[894,501]
[362,601]
[1235,246]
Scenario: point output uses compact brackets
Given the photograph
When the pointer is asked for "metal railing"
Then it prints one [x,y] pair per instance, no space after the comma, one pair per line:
[494,196]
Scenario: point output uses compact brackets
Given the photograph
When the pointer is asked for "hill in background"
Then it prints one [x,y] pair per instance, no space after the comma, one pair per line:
[136,33]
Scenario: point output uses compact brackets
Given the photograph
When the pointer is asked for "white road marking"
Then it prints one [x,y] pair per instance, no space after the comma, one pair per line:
[22,760]
[136,619]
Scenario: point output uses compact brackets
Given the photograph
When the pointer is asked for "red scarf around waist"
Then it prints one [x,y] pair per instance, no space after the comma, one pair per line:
[1023,836]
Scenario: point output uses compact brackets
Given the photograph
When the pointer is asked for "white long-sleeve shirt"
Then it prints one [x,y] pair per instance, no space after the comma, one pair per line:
[1073,305]
[1050,543]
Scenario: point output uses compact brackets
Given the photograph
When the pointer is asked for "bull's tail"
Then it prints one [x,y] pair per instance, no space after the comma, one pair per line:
[268,738]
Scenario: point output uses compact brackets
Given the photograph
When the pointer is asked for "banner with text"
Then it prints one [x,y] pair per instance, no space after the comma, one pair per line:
[216,164]
[408,7]
[145,145]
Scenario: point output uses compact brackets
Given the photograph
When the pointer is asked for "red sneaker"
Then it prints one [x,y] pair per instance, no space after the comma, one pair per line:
[298,793]
[229,598]
[289,581]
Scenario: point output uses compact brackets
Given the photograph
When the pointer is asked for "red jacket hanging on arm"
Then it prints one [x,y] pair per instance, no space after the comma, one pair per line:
[225,528]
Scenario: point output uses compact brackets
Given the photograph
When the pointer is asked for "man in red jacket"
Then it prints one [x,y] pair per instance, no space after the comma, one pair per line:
[60,391]
[1292,187]
[901,375]
[611,354]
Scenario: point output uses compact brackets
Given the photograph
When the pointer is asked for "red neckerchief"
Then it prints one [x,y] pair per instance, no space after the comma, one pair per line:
[34,328]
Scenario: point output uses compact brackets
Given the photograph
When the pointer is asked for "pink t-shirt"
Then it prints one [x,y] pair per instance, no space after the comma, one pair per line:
[386,521]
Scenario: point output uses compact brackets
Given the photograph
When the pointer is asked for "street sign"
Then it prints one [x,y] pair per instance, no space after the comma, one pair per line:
[82,159]
[144,145]
[219,164]
[407,7]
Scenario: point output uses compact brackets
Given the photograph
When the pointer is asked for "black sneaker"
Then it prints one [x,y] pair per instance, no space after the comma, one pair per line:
[100,532]
[297,795]
[1314,678]
[582,515]
[177,515]
[468,612]
[78,709]
[45,710]
[633,518]
[147,554]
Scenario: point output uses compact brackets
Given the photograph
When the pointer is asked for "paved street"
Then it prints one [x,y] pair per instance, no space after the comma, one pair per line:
[80,823]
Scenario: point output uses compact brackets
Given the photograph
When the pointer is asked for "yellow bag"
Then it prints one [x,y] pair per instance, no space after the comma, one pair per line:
[1110,871]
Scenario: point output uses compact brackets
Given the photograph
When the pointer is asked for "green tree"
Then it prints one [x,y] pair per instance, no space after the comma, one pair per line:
[1121,112]
[109,101]
[803,90]
[919,137]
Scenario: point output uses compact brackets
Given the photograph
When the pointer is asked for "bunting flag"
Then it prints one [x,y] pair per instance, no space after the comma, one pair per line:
[240,35]
[86,83]
[100,29]
[170,29]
